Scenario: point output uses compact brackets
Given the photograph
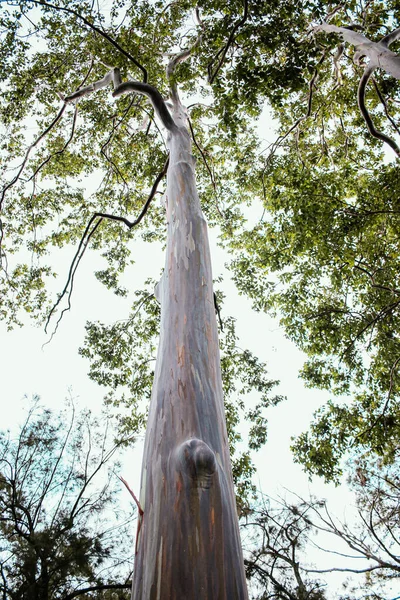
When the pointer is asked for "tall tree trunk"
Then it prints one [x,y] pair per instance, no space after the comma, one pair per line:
[188,544]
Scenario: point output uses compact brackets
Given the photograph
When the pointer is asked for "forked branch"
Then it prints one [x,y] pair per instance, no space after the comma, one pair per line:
[181,57]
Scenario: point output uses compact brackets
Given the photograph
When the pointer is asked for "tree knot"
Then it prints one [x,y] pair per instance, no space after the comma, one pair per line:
[197,460]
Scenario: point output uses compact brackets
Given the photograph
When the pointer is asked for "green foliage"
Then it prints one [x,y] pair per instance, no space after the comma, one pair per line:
[57,483]
[325,256]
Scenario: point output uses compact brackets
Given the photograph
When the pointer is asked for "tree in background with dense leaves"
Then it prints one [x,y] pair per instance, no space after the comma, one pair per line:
[63,534]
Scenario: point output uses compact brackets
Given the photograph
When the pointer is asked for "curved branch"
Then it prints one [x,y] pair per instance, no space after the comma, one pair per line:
[113,76]
[378,52]
[154,96]
[379,135]
[224,50]
[87,234]
[97,30]
[71,275]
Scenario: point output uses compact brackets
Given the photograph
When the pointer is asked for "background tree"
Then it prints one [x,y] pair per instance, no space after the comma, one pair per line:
[276,537]
[295,545]
[324,257]
[62,529]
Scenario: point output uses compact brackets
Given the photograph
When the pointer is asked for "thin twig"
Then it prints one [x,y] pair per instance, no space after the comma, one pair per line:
[222,52]
[97,30]
[384,104]
[132,493]
[35,143]
[207,167]
[379,135]
[90,229]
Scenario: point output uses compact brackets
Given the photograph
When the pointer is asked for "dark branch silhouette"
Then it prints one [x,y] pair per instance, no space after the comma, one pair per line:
[379,135]
[97,30]
[90,229]
[223,51]
[203,156]
[379,57]
[98,588]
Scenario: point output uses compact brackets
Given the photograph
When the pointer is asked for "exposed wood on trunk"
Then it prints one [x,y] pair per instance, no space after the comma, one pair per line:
[188,545]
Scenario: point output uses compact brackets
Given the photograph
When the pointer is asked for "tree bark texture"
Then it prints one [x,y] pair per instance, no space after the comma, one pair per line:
[188,543]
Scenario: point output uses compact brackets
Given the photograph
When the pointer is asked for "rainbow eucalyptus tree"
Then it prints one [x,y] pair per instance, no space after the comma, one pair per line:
[188,543]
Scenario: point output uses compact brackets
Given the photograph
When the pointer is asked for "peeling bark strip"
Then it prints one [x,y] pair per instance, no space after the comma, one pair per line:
[189,545]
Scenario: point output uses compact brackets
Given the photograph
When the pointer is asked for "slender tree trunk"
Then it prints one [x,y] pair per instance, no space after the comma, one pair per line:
[188,544]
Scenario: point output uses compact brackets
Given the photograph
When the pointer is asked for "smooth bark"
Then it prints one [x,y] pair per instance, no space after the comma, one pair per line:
[377,52]
[188,543]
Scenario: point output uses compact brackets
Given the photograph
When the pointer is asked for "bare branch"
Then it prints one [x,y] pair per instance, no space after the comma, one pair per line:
[378,52]
[90,229]
[222,52]
[367,117]
[113,76]
[97,30]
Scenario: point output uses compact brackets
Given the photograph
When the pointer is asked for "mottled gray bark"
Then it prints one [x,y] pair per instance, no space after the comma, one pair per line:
[188,544]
